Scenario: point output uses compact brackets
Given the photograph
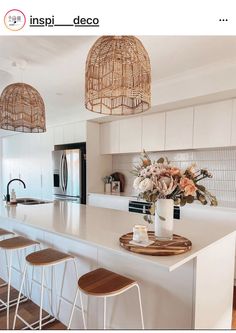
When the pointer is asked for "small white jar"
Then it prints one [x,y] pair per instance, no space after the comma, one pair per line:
[140,233]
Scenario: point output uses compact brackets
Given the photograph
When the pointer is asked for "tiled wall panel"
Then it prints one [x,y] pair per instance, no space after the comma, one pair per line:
[220,162]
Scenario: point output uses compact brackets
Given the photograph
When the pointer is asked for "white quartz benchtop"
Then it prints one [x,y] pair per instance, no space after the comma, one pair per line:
[102,227]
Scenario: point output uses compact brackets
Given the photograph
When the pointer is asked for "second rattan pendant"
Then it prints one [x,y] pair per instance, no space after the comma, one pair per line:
[118,76]
[22,109]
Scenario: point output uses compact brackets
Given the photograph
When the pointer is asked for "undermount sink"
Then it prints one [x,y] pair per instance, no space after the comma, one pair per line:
[31,201]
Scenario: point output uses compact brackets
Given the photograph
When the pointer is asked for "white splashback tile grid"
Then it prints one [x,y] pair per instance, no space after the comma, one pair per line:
[220,162]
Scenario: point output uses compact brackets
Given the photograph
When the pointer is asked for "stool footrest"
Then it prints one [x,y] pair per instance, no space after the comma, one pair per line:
[31,326]
[12,302]
[3,284]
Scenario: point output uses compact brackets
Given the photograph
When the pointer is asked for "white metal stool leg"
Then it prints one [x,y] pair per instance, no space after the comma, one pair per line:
[19,296]
[74,303]
[32,275]
[73,309]
[41,300]
[82,309]
[61,289]
[6,261]
[104,313]
[140,305]
[5,283]
[9,289]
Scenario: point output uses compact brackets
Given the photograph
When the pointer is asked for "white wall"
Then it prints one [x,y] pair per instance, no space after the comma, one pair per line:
[213,82]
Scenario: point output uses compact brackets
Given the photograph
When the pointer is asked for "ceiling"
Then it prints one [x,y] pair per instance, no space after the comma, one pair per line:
[55,66]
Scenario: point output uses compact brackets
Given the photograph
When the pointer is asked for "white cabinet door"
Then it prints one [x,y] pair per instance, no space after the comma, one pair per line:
[233,127]
[153,132]
[131,135]
[68,133]
[80,131]
[212,124]
[58,138]
[110,137]
[74,133]
[179,129]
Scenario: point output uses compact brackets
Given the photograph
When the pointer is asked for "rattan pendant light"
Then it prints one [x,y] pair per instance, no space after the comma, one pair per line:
[22,109]
[118,76]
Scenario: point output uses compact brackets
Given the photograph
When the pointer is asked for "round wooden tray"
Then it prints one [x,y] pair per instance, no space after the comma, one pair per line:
[177,245]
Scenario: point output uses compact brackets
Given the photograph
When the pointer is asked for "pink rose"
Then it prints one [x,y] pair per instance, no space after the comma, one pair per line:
[184,182]
[190,190]
[188,186]
[175,171]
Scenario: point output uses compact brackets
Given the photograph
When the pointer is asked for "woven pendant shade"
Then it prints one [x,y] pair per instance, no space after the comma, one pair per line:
[118,76]
[22,109]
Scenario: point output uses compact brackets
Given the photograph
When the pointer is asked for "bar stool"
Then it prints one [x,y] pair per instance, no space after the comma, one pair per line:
[104,283]
[3,234]
[9,245]
[44,258]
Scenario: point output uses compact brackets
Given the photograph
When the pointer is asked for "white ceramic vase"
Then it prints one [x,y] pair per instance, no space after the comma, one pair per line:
[164,224]
[107,188]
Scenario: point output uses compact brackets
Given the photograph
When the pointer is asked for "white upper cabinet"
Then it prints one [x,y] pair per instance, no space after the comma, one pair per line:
[58,138]
[110,137]
[233,128]
[203,126]
[179,129]
[131,135]
[80,131]
[212,124]
[70,133]
[153,132]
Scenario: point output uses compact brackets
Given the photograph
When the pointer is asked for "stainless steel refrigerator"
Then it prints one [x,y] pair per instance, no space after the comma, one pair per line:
[69,175]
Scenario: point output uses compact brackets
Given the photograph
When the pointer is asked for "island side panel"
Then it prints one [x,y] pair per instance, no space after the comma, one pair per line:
[167,296]
[214,281]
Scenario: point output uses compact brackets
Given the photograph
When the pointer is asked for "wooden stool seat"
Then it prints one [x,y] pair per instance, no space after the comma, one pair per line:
[4,232]
[102,282]
[16,243]
[47,257]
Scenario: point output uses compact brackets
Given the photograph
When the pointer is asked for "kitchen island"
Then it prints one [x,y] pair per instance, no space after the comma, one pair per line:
[191,290]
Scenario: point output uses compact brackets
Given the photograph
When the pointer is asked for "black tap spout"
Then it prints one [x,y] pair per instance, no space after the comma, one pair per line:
[12,180]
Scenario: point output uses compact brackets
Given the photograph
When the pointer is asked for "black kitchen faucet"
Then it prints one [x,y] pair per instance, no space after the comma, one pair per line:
[8,193]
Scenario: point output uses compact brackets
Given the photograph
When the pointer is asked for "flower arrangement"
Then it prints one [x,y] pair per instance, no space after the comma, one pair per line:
[161,180]
[107,179]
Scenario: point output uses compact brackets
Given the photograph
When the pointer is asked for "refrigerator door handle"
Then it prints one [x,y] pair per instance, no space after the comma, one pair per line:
[65,173]
[61,173]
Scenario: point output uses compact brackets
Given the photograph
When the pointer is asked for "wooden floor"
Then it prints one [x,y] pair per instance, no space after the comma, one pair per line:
[27,310]
[30,312]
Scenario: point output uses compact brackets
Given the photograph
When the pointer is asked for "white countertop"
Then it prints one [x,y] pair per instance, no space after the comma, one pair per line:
[102,227]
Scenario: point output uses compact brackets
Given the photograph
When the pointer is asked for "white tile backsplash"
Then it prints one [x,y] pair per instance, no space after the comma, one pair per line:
[220,162]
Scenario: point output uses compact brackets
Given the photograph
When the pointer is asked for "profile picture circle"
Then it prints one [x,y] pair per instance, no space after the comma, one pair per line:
[14,19]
